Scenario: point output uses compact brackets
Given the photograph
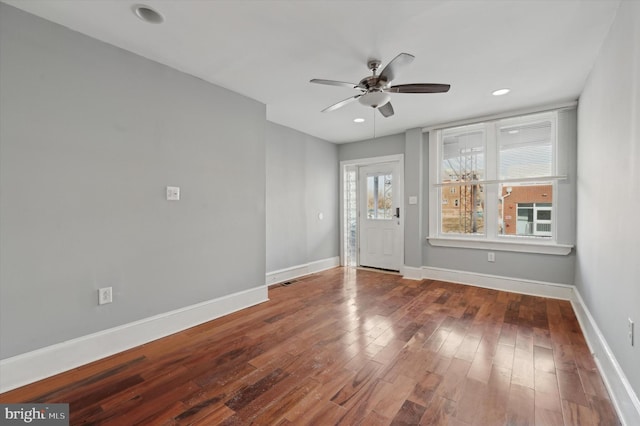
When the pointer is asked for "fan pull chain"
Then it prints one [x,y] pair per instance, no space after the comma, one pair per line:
[374,123]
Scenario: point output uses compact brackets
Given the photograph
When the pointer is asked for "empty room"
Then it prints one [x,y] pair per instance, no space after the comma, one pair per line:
[291,212]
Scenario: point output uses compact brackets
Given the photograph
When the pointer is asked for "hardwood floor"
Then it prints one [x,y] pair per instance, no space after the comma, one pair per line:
[352,347]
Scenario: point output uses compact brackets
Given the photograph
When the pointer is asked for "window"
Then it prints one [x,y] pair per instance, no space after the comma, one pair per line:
[379,197]
[503,175]
[462,161]
[350,219]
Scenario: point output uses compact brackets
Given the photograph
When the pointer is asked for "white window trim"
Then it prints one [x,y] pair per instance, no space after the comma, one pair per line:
[500,245]
[490,240]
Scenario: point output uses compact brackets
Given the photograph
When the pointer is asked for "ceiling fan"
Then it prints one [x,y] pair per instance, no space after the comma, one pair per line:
[375,89]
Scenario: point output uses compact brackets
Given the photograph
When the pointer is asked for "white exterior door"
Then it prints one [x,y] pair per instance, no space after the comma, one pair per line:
[380,218]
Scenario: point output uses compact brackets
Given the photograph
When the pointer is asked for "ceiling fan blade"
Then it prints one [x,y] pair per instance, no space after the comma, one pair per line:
[333,83]
[386,109]
[389,72]
[419,88]
[341,103]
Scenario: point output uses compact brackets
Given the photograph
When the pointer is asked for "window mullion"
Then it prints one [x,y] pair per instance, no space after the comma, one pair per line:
[491,190]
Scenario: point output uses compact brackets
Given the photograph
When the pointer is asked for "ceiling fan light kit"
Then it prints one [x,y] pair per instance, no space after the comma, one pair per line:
[374,99]
[375,88]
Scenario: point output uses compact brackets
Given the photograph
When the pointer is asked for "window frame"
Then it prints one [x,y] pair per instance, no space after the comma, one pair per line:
[491,238]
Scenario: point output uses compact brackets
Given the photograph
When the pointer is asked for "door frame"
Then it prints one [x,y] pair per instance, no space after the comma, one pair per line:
[399,158]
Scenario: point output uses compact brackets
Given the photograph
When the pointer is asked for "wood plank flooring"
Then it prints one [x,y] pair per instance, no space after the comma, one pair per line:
[352,347]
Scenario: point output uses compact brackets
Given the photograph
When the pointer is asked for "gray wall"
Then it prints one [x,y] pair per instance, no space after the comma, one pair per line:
[90,137]
[302,182]
[608,236]
[538,267]
[379,147]
[414,185]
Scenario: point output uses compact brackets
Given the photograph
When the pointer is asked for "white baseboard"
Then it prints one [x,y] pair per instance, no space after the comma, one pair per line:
[411,273]
[286,274]
[45,362]
[622,395]
[495,282]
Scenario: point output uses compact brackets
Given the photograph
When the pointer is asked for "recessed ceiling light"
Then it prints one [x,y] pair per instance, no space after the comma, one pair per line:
[148,14]
[358,120]
[514,131]
[500,92]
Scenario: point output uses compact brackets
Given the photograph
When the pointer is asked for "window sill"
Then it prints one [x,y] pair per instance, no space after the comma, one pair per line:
[514,246]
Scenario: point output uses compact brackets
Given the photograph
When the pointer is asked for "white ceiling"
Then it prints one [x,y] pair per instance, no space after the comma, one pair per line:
[269,50]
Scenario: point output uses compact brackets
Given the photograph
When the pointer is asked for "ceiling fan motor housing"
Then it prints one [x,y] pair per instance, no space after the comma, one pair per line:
[372,83]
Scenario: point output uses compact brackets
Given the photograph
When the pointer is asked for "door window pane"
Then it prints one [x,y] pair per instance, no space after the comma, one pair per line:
[380,197]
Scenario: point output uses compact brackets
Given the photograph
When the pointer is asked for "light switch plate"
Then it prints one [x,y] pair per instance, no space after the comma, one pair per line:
[413,200]
[173,193]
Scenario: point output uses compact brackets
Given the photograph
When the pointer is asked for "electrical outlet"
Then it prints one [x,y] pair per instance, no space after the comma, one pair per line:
[105,295]
[173,193]
[630,332]
[491,257]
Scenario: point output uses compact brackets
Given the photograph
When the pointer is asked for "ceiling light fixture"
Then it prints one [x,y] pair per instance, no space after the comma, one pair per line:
[374,99]
[358,120]
[147,14]
[513,132]
[500,92]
